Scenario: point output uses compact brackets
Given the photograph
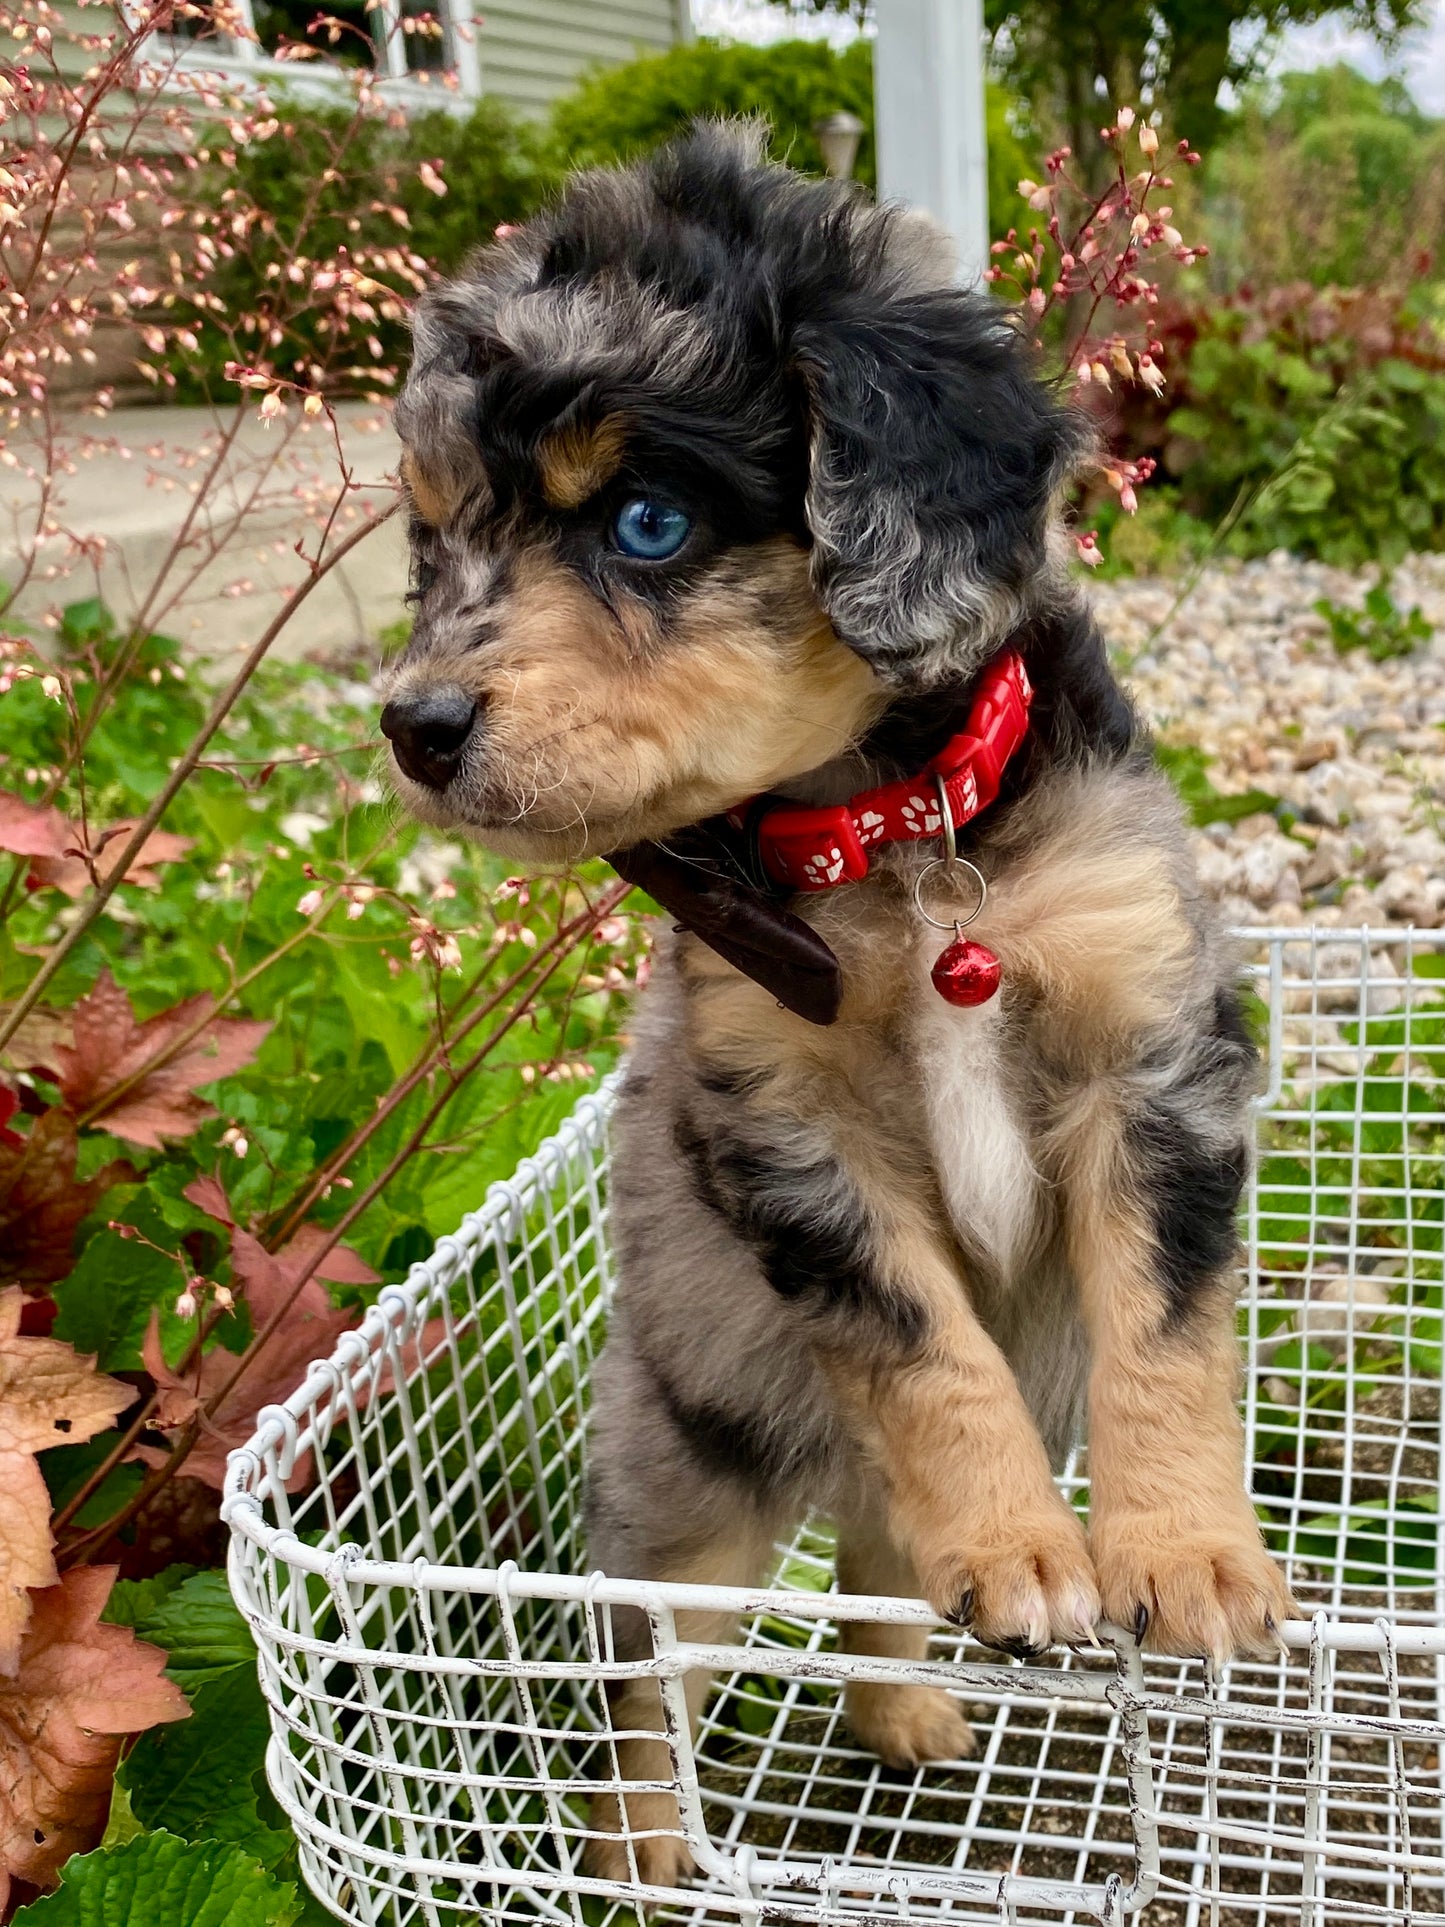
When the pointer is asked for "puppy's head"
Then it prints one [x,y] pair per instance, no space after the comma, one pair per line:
[705,465]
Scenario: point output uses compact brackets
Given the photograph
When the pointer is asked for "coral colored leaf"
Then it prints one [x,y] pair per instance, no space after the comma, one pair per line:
[305,1334]
[42,1201]
[139,1080]
[49,1395]
[80,1688]
[67,870]
[158,1880]
[29,829]
[40,1033]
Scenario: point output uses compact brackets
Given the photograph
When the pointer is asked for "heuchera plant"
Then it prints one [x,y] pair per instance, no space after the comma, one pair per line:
[258,1039]
[1091,265]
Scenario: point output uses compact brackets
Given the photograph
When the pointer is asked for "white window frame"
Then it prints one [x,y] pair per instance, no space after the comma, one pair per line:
[238,59]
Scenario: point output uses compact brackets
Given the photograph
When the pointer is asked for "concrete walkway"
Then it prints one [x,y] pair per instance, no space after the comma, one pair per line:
[128,483]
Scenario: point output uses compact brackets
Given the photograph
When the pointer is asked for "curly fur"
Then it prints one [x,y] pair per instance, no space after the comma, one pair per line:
[888,1267]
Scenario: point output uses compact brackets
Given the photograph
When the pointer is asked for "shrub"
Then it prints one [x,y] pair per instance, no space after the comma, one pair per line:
[622,111]
[335,182]
[258,1038]
[1330,178]
[1310,419]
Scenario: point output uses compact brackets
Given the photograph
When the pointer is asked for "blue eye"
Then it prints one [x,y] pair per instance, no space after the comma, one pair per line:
[651,531]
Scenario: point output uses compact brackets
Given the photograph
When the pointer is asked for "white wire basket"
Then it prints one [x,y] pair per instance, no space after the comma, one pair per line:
[434,1650]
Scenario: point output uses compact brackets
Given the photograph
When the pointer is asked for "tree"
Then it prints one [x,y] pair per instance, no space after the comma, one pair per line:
[1175,54]
[1074,63]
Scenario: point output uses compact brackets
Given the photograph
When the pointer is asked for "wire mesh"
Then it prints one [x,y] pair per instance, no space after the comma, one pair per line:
[435,1654]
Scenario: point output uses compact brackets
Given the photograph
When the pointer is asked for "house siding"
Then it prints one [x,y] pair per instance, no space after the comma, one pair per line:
[533,50]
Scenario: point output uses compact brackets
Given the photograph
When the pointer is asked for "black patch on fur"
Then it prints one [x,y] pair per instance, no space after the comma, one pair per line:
[1193,1178]
[734,1445]
[1079,713]
[812,1254]
[815,378]
[721,1082]
[1194,1195]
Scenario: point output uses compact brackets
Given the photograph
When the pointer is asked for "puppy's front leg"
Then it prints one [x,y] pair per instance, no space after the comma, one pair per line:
[969,1495]
[1175,1540]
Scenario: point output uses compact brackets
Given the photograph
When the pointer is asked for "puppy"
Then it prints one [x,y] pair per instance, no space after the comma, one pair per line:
[721,490]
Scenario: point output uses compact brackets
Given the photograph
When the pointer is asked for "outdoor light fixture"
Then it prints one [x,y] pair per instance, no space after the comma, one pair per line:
[838,136]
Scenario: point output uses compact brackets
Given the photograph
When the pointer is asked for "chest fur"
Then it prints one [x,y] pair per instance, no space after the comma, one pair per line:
[970,1109]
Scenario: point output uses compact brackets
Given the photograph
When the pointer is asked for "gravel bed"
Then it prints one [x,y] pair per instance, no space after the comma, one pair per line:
[1246,671]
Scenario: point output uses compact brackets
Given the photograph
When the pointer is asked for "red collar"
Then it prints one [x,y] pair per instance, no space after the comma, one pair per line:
[815,849]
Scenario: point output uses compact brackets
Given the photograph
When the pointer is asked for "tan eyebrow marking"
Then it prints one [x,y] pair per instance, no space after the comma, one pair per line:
[432,504]
[575,463]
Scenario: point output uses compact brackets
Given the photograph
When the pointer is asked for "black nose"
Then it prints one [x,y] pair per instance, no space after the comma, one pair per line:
[428,732]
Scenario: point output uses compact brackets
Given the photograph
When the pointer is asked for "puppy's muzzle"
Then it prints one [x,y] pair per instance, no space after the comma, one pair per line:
[428,733]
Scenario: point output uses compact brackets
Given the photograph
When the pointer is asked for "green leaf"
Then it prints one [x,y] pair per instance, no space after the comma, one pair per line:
[157,1880]
[198,1778]
[132,1601]
[122,1824]
[196,1622]
[67,1467]
[106,1302]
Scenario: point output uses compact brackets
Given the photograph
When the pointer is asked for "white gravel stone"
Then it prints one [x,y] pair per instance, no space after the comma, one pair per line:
[1246,671]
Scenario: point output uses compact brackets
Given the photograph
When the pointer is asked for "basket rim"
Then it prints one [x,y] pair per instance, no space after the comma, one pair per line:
[398,1311]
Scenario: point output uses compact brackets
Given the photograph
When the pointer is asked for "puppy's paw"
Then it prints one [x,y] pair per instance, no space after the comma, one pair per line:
[1024,1585]
[657,1846]
[1207,1591]
[906,1725]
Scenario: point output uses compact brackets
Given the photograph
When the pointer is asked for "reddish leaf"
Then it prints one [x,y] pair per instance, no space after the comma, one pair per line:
[69,872]
[27,829]
[208,1195]
[42,1202]
[79,1689]
[309,1329]
[130,1076]
[9,1105]
[340,1264]
[41,1032]
[49,1395]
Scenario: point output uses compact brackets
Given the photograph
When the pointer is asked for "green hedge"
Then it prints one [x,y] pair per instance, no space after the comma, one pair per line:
[499,168]
[495,168]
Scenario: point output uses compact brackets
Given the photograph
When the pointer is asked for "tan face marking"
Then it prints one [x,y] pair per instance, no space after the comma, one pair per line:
[433,500]
[603,729]
[574,464]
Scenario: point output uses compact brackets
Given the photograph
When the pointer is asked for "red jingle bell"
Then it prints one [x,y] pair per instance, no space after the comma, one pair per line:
[967,973]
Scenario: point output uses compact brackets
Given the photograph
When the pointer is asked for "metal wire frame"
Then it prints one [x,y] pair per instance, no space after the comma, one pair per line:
[435,1655]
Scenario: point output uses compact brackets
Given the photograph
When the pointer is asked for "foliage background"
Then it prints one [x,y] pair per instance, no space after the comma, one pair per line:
[1304,406]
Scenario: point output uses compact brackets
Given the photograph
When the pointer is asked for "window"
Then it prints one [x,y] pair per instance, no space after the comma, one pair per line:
[412,42]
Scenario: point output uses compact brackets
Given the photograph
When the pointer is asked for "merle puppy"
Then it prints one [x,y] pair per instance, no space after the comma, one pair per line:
[738,558]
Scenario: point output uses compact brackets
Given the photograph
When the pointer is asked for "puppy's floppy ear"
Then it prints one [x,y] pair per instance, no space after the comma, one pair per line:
[935,452]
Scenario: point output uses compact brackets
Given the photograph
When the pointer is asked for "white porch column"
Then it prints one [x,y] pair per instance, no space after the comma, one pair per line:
[928,89]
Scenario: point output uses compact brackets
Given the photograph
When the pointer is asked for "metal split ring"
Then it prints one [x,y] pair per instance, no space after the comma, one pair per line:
[950,860]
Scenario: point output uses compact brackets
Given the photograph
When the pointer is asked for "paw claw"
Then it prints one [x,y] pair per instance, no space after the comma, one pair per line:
[1215,1591]
[1021,1586]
